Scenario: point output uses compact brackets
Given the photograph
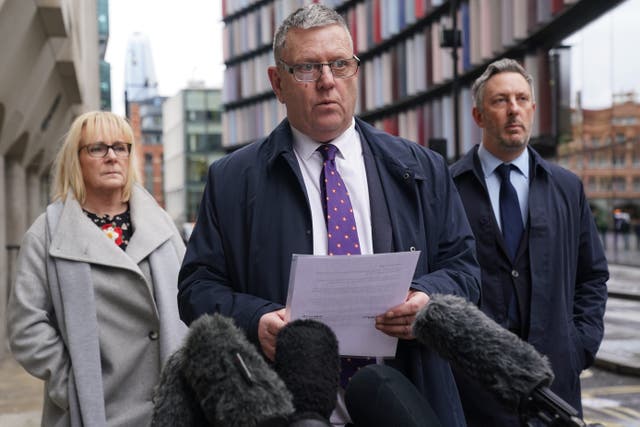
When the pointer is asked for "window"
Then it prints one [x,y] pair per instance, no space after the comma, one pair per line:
[197,167]
[148,172]
[618,183]
[204,142]
[204,116]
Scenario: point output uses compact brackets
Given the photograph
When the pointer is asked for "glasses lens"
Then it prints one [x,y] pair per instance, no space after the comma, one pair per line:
[121,149]
[344,68]
[307,72]
[97,150]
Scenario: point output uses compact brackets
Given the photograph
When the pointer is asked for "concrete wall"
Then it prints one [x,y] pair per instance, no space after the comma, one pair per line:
[49,75]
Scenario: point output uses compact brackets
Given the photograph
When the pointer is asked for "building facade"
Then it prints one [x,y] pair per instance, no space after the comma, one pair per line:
[600,140]
[146,121]
[411,82]
[605,152]
[192,139]
[49,75]
[140,81]
[105,67]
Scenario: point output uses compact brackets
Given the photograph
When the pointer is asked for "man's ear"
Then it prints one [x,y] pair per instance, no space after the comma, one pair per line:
[276,82]
[477,117]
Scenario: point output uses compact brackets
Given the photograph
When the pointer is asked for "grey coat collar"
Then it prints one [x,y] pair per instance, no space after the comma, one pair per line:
[78,239]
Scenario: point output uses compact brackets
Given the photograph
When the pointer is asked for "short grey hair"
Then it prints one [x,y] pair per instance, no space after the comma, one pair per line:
[504,65]
[311,16]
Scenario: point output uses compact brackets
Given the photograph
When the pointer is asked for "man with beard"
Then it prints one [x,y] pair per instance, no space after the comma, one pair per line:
[544,271]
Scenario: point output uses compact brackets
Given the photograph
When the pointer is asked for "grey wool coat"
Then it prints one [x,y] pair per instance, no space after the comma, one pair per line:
[96,323]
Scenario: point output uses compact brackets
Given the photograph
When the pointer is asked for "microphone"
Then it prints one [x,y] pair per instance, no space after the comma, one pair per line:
[308,362]
[219,376]
[494,357]
[378,395]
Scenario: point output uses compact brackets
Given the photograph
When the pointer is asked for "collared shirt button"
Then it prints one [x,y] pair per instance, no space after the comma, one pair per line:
[515,274]
[153,335]
[412,249]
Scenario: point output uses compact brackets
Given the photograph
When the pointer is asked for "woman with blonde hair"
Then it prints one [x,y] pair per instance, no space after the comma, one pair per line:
[93,308]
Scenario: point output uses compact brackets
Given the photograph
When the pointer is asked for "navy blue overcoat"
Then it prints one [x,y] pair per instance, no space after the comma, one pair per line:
[566,260]
[255,214]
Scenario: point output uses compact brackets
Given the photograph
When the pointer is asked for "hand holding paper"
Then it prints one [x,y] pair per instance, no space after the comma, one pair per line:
[398,320]
[347,293]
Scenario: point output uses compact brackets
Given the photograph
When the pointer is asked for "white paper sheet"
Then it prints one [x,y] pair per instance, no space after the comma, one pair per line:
[347,293]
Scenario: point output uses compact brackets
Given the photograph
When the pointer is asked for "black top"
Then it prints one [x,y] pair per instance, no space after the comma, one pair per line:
[117,228]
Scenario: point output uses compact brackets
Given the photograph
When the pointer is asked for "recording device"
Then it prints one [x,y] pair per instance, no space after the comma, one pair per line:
[308,362]
[218,378]
[494,357]
[379,395]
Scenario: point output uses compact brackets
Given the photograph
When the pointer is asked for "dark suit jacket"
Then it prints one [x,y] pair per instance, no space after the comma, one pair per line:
[255,214]
[567,263]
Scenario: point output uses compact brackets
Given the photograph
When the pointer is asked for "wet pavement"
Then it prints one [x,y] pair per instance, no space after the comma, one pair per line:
[620,350]
[21,394]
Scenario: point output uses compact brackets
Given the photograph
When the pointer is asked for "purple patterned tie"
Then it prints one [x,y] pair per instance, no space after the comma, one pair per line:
[341,225]
[342,234]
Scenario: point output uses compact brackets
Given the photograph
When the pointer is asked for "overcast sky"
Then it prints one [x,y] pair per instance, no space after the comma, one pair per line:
[604,57]
[185,38]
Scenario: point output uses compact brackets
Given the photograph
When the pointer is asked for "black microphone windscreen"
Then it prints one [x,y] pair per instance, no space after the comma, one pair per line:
[174,402]
[483,350]
[232,381]
[308,362]
[378,395]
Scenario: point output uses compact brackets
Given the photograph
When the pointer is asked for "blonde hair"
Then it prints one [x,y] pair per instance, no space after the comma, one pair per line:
[67,171]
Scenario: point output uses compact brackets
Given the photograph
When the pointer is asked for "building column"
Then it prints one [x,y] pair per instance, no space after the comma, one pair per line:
[34,194]
[4,277]
[16,191]
[15,185]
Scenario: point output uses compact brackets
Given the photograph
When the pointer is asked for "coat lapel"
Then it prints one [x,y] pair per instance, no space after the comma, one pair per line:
[77,238]
[149,231]
[380,221]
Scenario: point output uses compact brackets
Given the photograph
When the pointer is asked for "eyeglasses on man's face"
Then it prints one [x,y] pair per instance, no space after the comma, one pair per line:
[100,149]
[312,71]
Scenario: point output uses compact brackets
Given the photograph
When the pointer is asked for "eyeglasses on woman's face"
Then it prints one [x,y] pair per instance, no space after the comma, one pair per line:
[100,149]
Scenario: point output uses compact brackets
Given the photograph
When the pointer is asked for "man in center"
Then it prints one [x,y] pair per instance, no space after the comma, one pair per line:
[265,202]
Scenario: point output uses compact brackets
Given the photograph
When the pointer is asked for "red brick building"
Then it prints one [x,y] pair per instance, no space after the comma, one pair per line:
[146,121]
[605,152]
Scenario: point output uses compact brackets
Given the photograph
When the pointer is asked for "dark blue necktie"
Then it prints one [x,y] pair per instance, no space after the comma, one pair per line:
[512,230]
[510,216]
[342,235]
